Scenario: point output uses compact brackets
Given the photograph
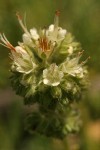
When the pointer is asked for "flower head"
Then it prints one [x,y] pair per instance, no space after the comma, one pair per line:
[46,58]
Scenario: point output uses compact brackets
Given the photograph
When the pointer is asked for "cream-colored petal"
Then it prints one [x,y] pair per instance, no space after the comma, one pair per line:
[27,39]
[70,50]
[20,50]
[62,33]
[34,34]
[51,28]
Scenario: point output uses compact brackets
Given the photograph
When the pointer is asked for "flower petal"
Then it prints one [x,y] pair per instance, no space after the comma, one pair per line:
[52,76]
[51,28]
[61,33]
[27,40]
[34,34]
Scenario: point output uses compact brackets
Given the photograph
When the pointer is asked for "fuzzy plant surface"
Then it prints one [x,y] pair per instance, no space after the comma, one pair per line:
[46,71]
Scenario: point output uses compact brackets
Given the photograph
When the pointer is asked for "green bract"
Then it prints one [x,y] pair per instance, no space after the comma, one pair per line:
[46,70]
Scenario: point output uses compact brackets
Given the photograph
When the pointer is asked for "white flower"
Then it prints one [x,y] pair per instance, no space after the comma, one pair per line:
[55,34]
[52,76]
[46,39]
[22,62]
[72,66]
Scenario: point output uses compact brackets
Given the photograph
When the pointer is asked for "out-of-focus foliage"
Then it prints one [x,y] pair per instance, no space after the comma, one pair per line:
[12,136]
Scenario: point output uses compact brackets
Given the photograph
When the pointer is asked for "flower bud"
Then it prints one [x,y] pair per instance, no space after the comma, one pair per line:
[56,92]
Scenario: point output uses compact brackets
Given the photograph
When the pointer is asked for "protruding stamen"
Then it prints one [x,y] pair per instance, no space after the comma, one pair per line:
[21,23]
[56,20]
[57,13]
[80,53]
[84,62]
[18,16]
[6,43]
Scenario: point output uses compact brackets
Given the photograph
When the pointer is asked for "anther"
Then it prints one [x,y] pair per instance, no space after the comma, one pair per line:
[83,62]
[18,16]
[57,13]
[80,53]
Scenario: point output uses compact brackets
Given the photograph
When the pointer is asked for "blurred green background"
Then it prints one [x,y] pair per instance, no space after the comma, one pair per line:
[80,17]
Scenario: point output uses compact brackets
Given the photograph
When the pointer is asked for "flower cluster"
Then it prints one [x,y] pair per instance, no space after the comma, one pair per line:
[46,67]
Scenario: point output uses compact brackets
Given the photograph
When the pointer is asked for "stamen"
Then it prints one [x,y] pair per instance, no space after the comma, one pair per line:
[84,62]
[44,44]
[25,20]
[80,53]
[49,45]
[57,12]
[21,23]
[3,45]
[6,42]
[56,20]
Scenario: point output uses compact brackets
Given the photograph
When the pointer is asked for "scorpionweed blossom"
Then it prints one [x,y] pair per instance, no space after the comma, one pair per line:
[46,70]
